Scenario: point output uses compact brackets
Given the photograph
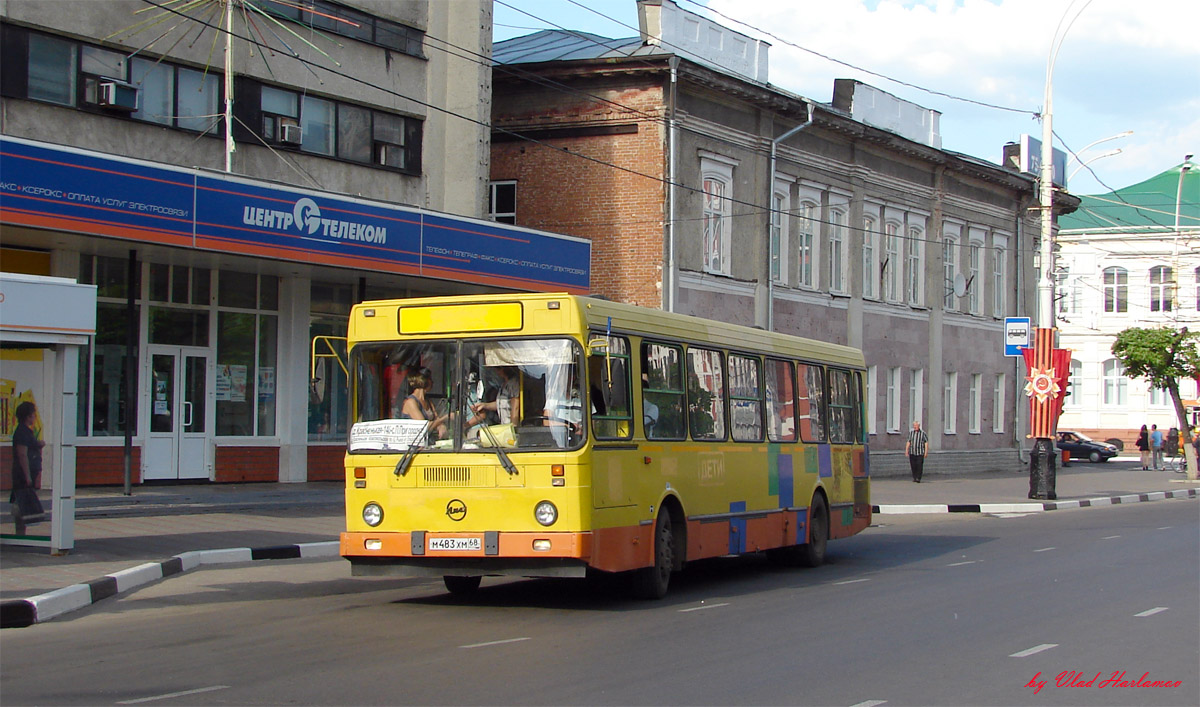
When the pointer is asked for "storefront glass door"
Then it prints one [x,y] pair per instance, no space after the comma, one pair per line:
[177,436]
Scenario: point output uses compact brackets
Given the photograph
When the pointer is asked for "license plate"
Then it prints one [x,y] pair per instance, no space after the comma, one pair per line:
[455,544]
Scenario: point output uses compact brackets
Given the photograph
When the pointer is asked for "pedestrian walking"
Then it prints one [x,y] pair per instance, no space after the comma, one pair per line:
[1156,447]
[917,448]
[1143,445]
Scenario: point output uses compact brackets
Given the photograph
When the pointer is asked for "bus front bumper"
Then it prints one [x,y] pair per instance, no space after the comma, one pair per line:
[425,554]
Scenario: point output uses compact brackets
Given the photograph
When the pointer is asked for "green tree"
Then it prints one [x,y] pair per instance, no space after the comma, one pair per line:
[1162,357]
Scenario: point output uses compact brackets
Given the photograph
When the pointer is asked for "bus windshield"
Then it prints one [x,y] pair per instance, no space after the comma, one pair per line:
[468,394]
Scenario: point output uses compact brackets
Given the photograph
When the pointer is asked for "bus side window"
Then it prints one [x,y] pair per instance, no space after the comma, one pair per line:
[608,388]
[781,401]
[745,399]
[811,412]
[662,391]
[706,394]
[841,407]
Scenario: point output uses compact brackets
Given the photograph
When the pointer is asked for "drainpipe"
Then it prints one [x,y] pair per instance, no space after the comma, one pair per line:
[1018,362]
[770,201]
[672,147]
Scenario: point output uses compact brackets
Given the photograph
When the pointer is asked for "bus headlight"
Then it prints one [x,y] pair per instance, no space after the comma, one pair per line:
[372,514]
[545,513]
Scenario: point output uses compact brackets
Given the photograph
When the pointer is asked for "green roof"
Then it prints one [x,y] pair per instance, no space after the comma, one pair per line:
[1147,207]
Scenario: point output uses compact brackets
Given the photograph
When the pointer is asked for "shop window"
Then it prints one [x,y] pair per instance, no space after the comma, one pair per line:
[328,393]
[105,365]
[178,327]
[245,383]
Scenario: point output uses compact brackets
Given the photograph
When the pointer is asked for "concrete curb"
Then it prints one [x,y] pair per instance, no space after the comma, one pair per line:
[1032,506]
[19,613]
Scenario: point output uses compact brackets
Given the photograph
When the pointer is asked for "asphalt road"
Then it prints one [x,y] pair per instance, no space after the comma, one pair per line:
[920,610]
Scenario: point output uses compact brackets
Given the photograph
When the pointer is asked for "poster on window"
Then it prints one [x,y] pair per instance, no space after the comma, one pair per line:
[266,383]
[237,384]
[223,382]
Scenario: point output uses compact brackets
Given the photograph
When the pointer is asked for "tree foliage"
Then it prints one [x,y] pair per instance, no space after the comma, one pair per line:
[1162,356]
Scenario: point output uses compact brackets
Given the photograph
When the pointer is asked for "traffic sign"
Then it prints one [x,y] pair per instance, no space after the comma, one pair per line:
[1016,335]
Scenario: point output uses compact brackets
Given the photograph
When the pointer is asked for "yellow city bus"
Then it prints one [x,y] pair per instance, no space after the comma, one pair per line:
[549,435]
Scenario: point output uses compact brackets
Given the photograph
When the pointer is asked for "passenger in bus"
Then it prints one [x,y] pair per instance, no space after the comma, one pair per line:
[564,412]
[418,407]
[507,404]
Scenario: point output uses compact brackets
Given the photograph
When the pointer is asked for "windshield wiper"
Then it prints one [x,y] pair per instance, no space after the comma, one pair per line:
[410,453]
[504,460]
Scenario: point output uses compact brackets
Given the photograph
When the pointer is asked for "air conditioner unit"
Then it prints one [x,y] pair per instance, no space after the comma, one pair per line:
[118,95]
[289,133]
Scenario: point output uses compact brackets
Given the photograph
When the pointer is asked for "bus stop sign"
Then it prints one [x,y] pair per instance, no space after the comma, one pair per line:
[1016,335]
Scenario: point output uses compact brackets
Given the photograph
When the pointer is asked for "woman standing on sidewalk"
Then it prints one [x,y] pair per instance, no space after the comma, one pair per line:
[26,468]
[1143,445]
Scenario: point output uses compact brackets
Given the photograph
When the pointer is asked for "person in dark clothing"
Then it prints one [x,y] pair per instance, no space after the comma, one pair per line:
[27,461]
[1143,445]
[917,448]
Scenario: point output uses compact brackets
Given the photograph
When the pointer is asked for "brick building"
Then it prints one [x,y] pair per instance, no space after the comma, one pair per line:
[706,190]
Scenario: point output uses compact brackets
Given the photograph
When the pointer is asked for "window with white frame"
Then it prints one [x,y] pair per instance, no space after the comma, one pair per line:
[1062,277]
[949,271]
[871,392]
[998,394]
[1116,290]
[950,402]
[780,205]
[913,270]
[1162,288]
[1115,384]
[837,250]
[502,201]
[974,403]
[717,182]
[974,263]
[806,249]
[892,399]
[1159,397]
[999,275]
[892,265]
[1074,384]
[1198,289]
[916,393]
[870,241]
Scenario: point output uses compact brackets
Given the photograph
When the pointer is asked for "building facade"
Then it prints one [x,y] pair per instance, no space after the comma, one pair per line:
[224,236]
[708,191]
[1130,258]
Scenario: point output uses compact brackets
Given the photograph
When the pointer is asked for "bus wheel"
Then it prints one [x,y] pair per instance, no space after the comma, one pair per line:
[461,585]
[651,582]
[812,553]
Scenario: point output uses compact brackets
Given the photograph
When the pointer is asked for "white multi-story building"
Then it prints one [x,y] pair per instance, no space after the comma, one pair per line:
[1123,264]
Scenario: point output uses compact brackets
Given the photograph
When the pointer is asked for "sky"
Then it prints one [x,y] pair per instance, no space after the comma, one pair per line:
[1121,65]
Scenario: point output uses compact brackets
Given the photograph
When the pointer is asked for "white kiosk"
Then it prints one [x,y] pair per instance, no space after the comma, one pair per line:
[43,323]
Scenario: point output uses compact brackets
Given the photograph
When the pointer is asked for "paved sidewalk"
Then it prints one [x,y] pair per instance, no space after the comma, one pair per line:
[124,541]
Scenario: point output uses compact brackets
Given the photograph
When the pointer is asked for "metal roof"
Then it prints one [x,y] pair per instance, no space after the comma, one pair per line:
[566,45]
[1147,206]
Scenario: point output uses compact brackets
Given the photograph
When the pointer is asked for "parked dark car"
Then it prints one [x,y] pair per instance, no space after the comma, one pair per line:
[1080,446]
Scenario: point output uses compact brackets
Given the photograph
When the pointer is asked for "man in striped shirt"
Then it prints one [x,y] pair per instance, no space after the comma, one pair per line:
[917,448]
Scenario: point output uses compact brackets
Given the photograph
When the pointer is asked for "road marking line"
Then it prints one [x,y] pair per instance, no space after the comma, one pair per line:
[702,608]
[1165,527]
[870,703]
[169,695]
[960,564]
[1046,549]
[1110,537]
[1152,612]
[496,643]
[853,581]
[1036,649]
